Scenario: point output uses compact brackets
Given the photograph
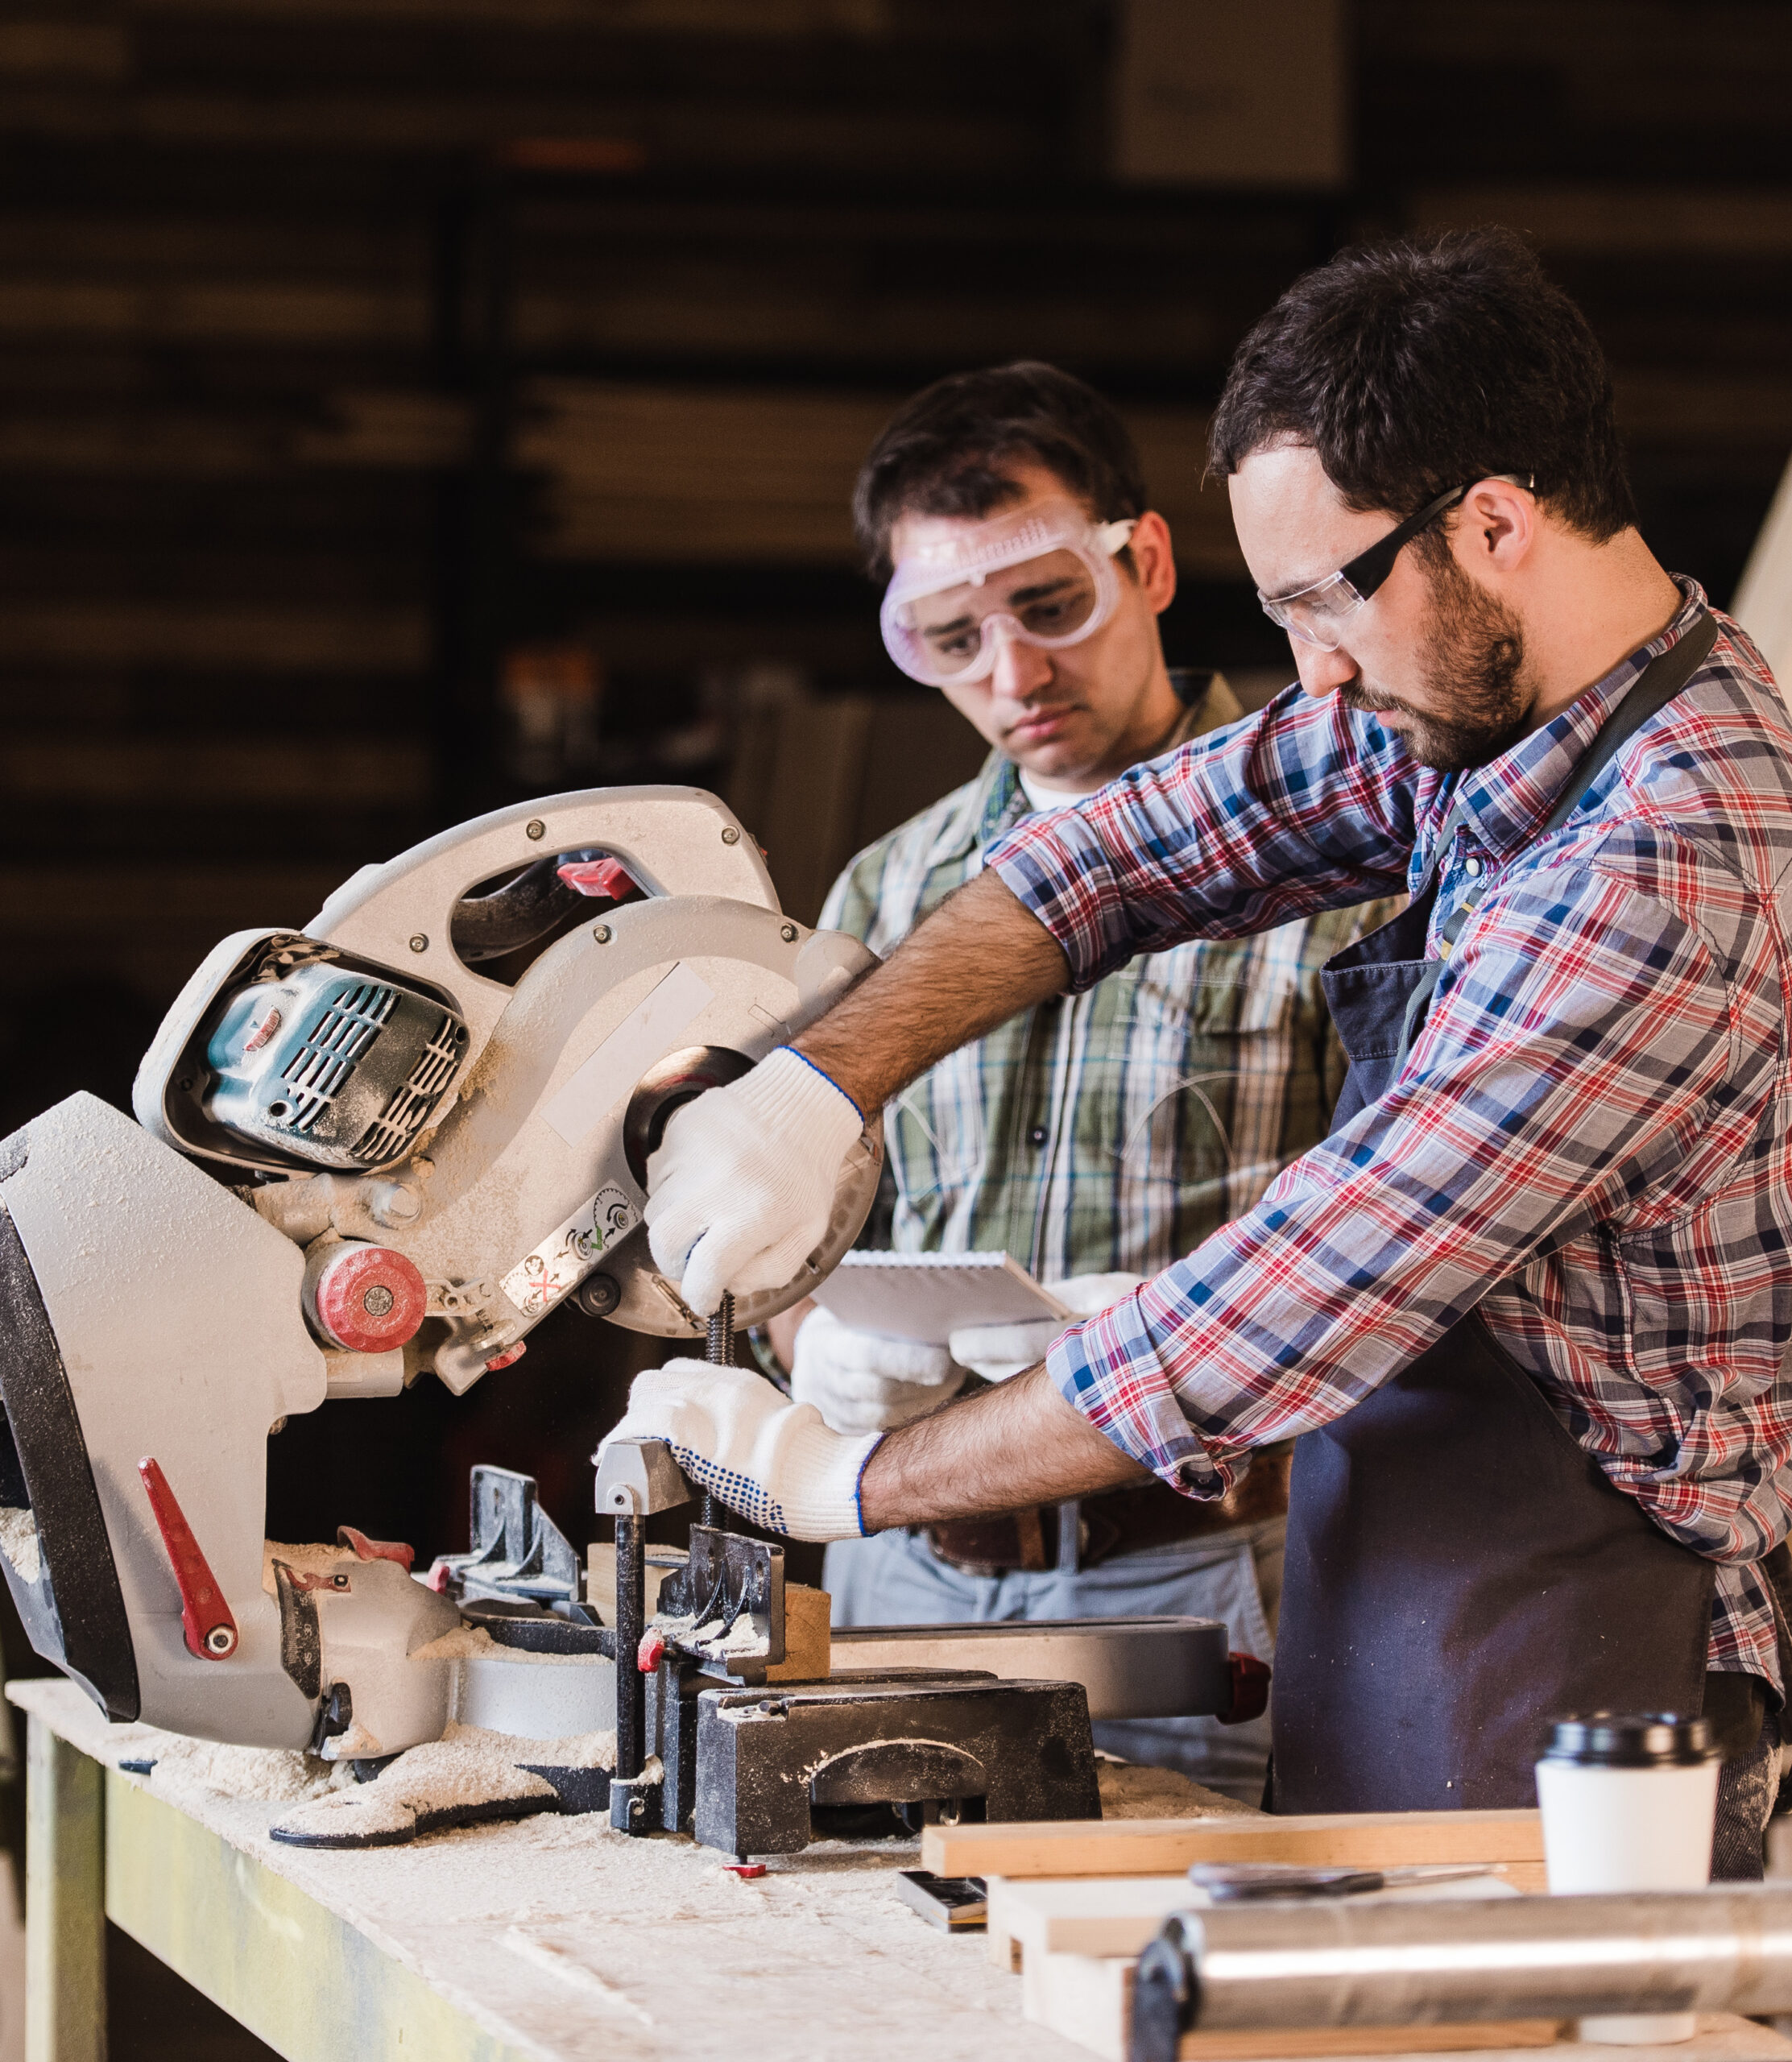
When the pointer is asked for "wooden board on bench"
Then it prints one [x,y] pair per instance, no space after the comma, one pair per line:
[1031,1916]
[1165,1847]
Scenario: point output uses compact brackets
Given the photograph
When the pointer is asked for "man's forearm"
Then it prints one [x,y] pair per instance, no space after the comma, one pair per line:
[977,960]
[1018,1443]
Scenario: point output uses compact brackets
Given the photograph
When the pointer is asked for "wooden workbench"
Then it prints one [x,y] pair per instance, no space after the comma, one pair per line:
[553,1939]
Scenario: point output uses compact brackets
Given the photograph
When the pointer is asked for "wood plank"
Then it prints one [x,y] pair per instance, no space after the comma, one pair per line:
[1163,1847]
[276,311]
[371,772]
[639,472]
[769,19]
[808,1636]
[1030,1920]
[1606,221]
[268,640]
[64,1903]
[97,905]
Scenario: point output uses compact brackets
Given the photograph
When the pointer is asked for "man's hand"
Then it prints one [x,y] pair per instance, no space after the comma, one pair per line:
[995,1351]
[773,1461]
[742,1188]
[861,1381]
[740,1192]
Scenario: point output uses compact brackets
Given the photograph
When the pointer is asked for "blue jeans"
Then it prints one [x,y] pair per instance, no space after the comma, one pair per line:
[895,1580]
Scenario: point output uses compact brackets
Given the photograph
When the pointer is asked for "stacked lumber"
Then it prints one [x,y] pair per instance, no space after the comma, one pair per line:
[1072,1906]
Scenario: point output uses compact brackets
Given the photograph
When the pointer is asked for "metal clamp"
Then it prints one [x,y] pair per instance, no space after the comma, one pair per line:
[637,1477]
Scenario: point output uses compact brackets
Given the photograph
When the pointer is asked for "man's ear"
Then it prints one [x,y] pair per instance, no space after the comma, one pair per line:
[1496,527]
[1154,561]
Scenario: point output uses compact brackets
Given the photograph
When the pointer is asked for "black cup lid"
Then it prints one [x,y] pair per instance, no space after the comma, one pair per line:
[1630,1739]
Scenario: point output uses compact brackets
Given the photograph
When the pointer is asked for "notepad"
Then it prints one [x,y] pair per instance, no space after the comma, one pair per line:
[927,1296]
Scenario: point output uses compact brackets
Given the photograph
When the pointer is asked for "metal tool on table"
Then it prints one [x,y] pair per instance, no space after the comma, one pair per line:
[1341,1963]
[706,1743]
[1235,1883]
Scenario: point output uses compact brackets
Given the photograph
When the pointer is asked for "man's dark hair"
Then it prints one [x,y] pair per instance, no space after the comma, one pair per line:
[1412,367]
[951,451]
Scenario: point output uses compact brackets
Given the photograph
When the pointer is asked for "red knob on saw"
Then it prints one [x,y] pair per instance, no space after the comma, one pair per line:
[364,1298]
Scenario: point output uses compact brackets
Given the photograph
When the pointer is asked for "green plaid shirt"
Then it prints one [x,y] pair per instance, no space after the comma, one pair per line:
[1112,1129]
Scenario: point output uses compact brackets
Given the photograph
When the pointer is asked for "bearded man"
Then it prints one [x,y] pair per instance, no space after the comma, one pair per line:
[1526,1307]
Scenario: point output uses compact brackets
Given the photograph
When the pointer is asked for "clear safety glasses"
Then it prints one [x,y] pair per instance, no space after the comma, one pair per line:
[1047,578]
[1317,614]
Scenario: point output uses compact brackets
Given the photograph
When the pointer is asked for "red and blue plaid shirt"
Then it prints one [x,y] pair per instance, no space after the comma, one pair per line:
[1591,1142]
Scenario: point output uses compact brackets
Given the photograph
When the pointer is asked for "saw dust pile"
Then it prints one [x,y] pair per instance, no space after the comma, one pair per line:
[467,1777]
[1130,1790]
[283,1775]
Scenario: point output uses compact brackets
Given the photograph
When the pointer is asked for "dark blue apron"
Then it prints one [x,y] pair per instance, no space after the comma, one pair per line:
[1459,1570]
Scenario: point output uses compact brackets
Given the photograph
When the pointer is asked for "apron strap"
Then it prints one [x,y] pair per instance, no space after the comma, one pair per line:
[1659,680]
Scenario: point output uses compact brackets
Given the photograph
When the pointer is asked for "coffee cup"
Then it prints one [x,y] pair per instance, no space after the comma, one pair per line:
[1629,1802]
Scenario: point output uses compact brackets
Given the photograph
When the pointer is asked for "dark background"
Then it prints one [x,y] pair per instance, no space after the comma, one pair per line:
[405,407]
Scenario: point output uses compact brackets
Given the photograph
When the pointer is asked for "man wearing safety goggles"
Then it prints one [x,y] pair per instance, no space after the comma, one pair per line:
[1097,1137]
[1526,1307]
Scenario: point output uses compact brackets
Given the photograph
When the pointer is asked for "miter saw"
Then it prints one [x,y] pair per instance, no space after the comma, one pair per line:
[359,1155]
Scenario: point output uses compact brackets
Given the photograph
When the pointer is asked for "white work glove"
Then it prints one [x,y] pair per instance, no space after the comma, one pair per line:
[860,1381]
[772,1460]
[740,1192]
[997,1350]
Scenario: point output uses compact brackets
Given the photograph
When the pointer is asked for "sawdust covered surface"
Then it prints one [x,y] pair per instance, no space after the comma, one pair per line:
[467,1771]
[188,1772]
[576,1944]
[279,1775]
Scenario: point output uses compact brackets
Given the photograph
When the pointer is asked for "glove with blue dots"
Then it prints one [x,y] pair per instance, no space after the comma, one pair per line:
[733,1433]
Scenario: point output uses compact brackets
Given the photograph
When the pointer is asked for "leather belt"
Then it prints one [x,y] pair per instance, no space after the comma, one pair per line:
[1128,1521]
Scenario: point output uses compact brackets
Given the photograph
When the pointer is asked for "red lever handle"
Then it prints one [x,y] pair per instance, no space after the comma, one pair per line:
[211,1631]
[1250,1689]
[375,1549]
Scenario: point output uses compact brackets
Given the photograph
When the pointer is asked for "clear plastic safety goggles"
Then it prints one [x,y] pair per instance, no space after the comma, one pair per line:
[1317,614]
[1047,577]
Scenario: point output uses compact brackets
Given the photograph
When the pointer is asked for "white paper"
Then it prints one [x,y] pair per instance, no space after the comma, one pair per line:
[927,1296]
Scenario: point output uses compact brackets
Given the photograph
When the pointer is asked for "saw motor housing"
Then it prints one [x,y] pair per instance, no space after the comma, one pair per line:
[359,1158]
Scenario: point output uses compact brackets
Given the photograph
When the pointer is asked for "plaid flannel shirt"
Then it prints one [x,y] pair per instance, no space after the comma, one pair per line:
[1115,1127]
[1591,1141]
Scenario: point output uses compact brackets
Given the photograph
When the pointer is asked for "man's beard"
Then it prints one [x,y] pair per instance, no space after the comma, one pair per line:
[1472,660]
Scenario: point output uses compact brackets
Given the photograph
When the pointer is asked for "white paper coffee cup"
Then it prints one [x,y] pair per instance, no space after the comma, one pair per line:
[1629,1803]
